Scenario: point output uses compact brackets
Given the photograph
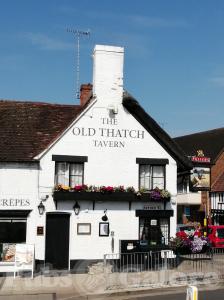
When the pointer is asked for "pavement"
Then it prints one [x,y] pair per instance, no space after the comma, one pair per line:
[52,285]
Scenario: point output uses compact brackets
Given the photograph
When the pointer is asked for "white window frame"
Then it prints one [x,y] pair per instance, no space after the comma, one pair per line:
[67,180]
[150,178]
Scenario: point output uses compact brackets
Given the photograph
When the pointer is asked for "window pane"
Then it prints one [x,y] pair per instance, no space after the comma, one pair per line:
[145,176]
[76,174]
[182,184]
[76,169]
[62,170]
[158,182]
[158,177]
[158,171]
[11,232]
[164,226]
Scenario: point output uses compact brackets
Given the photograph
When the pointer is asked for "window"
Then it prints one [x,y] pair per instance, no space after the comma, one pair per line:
[70,174]
[156,231]
[182,184]
[187,211]
[151,176]
[12,230]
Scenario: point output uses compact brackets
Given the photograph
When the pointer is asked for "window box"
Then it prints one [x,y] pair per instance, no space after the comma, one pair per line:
[97,196]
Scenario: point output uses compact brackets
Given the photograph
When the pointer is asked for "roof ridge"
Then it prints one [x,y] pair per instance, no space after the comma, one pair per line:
[133,106]
[200,132]
[37,103]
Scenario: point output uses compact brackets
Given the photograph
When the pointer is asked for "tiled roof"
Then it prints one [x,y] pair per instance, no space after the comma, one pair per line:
[27,128]
[218,185]
[211,142]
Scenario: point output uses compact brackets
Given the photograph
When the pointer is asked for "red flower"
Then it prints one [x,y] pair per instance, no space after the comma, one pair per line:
[106,189]
[80,188]
[109,189]
[182,235]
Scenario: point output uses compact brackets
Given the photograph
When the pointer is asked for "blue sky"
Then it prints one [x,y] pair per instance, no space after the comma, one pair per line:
[174,54]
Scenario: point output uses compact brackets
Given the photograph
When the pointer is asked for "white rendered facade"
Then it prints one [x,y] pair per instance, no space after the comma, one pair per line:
[111,138]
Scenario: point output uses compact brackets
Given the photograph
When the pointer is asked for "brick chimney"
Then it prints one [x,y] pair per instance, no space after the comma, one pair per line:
[85,93]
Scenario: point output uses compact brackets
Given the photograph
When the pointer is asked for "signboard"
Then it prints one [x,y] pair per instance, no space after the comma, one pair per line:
[200,179]
[200,157]
[24,258]
[7,252]
[109,134]
[153,206]
[153,222]
[84,228]
[104,229]
[14,202]
[40,230]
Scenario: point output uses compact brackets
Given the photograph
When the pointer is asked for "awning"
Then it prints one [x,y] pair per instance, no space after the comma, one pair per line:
[14,213]
[159,213]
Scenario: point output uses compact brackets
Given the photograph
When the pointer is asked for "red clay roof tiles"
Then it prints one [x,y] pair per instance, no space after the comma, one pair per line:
[27,128]
[218,185]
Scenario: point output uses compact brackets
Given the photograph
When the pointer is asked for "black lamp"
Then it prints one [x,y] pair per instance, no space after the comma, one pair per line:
[105,218]
[76,208]
[41,208]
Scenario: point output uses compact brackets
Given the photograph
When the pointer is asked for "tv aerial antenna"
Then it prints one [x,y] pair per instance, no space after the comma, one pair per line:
[78,34]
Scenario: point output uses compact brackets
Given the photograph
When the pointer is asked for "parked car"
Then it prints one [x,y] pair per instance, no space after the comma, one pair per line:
[188,229]
[216,235]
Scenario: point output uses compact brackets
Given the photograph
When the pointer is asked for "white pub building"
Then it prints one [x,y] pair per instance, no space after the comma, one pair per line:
[81,181]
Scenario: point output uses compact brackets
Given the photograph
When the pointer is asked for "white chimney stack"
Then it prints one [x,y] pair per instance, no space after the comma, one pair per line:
[108,75]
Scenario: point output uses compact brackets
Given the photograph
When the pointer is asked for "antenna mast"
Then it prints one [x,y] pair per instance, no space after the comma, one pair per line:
[78,34]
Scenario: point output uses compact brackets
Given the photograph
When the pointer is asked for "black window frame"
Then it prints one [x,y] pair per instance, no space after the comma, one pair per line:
[147,221]
[11,225]
[68,159]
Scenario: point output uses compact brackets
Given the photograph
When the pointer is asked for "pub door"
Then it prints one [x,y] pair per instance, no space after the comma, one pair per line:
[57,240]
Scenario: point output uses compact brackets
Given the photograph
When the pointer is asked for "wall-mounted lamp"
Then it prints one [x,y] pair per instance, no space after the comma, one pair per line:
[41,208]
[104,217]
[76,208]
[44,197]
[113,109]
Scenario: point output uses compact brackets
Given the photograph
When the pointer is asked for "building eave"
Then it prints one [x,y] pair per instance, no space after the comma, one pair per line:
[157,132]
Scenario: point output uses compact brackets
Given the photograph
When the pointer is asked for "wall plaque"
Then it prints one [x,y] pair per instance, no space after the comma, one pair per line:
[40,230]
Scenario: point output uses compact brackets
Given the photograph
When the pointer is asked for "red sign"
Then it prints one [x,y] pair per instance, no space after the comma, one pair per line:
[201,159]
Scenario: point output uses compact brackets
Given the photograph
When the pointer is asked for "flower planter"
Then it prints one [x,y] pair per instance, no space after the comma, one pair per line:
[97,196]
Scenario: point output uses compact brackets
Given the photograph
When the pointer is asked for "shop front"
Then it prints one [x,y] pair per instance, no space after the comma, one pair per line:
[13,231]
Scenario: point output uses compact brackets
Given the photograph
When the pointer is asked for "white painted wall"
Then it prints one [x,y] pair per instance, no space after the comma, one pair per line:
[189,198]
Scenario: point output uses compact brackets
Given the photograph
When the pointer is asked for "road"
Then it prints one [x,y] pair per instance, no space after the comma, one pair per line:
[162,294]
[203,295]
